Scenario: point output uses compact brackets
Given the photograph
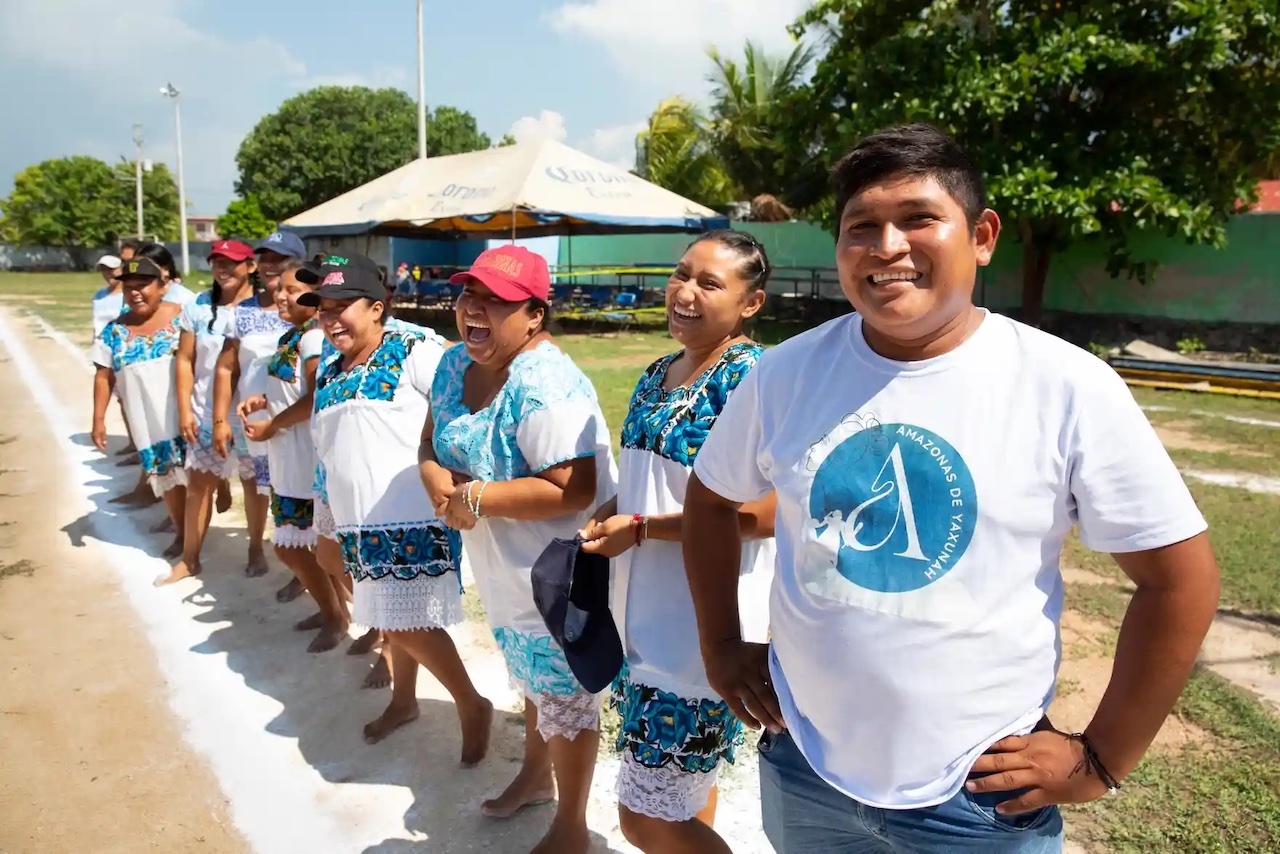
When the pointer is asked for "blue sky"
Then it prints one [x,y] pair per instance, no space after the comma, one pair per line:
[80,73]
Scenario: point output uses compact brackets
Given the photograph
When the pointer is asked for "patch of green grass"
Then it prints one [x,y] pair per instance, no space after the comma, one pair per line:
[1226,461]
[1187,402]
[1222,796]
[473,608]
[1243,525]
[22,567]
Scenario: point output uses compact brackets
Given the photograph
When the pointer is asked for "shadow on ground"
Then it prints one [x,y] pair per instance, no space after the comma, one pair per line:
[322,705]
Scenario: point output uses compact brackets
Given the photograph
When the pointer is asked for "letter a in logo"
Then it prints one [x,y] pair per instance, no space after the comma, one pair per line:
[900,527]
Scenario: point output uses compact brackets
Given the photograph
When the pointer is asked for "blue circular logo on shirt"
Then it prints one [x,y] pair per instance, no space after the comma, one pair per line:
[903,503]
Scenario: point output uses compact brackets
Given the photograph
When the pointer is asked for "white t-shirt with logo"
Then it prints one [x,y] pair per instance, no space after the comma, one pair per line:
[922,508]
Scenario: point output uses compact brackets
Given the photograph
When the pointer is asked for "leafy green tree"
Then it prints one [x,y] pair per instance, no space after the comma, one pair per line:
[507,139]
[674,151]
[68,201]
[749,100]
[1090,118]
[244,219]
[331,139]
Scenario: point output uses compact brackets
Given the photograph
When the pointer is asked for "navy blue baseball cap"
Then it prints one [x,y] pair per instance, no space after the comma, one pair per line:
[571,592]
[283,243]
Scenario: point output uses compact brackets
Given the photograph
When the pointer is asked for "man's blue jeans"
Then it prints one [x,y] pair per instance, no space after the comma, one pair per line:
[803,814]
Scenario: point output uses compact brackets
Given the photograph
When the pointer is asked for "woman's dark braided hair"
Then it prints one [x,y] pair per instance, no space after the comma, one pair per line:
[755,267]
[215,291]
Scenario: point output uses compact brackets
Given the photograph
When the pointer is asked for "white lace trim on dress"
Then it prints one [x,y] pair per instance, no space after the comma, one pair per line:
[668,792]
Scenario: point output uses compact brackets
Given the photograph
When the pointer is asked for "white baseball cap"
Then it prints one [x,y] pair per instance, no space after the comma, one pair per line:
[109,261]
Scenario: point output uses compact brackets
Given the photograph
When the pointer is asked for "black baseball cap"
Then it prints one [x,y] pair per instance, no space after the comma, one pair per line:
[141,267]
[571,592]
[345,276]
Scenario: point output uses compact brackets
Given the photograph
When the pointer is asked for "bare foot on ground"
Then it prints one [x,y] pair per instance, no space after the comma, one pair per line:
[257,565]
[130,460]
[329,637]
[175,548]
[222,502]
[477,727]
[564,838]
[143,496]
[177,573]
[389,721]
[379,676]
[127,450]
[164,526]
[363,644]
[530,788]
[290,591]
[310,624]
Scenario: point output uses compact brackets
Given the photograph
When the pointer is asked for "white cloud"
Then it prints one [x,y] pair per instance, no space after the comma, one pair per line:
[615,145]
[548,124]
[662,43]
[227,84]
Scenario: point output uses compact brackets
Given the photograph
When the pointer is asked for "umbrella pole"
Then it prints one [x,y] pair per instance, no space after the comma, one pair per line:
[513,223]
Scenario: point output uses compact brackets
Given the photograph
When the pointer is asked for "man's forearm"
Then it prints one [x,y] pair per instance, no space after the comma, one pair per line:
[712,538]
[1156,651]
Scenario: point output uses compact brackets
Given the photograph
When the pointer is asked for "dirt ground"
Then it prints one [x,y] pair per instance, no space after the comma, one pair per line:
[93,758]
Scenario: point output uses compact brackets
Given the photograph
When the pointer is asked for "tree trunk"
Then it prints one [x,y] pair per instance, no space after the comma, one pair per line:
[1036,255]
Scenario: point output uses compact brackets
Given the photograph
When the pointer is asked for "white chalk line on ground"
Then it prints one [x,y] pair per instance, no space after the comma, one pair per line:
[272,793]
[1238,419]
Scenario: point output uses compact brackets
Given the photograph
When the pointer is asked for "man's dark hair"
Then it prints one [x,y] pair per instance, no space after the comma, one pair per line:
[911,151]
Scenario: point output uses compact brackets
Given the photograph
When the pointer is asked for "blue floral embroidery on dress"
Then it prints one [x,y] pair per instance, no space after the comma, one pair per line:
[163,457]
[537,662]
[674,424]
[483,444]
[128,349]
[402,552]
[261,472]
[251,318]
[319,484]
[659,727]
[377,379]
[299,513]
[283,364]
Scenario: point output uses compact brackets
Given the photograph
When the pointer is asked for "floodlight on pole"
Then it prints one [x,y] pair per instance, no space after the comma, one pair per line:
[169,91]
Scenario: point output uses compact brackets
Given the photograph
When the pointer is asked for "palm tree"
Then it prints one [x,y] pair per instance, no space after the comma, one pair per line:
[674,152]
[747,105]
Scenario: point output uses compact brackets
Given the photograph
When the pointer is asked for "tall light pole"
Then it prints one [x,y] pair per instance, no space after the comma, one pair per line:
[169,91]
[422,93]
[137,174]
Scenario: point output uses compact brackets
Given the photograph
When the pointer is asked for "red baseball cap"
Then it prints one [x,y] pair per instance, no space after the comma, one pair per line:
[513,273]
[233,249]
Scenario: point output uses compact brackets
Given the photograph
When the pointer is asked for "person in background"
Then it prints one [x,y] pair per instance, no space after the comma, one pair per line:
[252,338]
[675,728]
[291,373]
[370,404]
[929,459]
[108,301]
[205,322]
[134,358]
[516,452]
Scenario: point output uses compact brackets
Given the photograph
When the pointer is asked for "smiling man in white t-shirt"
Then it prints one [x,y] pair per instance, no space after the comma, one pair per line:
[929,458]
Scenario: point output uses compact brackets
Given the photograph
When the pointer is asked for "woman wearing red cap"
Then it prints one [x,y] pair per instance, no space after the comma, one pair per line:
[518,454]
[252,337]
[204,322]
